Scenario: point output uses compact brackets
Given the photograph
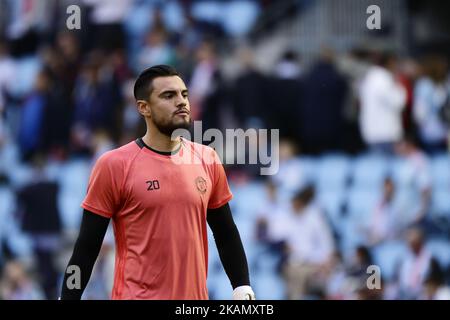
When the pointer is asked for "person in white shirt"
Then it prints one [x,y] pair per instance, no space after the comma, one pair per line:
[415,266]
[310,246]
[431,93]
[382,101]
[383,222]
[416,185]
[435,286]
[7,75]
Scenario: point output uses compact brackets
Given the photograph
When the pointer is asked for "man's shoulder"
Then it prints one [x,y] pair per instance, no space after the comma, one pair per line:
[205,152]
[120,155]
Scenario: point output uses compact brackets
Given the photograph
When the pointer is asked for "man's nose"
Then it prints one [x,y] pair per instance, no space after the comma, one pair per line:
[181,101]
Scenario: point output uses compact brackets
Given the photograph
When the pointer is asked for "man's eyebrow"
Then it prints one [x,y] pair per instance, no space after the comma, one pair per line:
[172,91]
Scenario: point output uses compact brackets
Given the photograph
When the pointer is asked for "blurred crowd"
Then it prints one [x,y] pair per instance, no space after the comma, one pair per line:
[66,97]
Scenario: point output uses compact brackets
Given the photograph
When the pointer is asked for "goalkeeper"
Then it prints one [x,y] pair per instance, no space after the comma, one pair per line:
[160,206]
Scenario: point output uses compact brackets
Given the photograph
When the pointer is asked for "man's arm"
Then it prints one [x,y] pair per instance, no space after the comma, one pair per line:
[231,251]
[87,247]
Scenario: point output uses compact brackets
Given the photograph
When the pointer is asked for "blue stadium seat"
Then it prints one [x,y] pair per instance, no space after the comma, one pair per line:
[74,175]
[440,171]
[268,286]
[332,202]
[10,230]
[220,287]
[440,202]
[332,172]
[440,249]
[369,170]
[309,167]
[19,175]
[73,180]
[388,256]
[362,201]
[245,199]
[27,70]
[401,171]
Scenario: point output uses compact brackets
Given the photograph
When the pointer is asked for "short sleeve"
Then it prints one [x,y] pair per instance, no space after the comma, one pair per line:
[220,193]
[105,182]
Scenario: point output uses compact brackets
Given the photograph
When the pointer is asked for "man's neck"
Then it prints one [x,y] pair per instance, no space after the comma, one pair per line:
[161,142]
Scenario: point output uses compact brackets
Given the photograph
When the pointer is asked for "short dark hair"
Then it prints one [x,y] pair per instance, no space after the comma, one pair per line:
[142,86]
[305,195]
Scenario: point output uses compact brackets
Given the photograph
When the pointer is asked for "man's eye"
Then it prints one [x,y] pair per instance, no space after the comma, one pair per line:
[168,96]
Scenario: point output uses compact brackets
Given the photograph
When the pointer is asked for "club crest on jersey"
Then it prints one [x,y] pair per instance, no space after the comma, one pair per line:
[200,182]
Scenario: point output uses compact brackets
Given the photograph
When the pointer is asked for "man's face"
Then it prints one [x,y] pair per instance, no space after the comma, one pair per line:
[169,104]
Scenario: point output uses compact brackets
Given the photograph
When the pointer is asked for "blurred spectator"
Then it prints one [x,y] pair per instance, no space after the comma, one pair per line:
[267,213]
[321,116]
[200,85]
[68,46]
[288,67]
[337,284]
[58,110]
[361,260]
[408,74]
[384,223]
[282,105]
[131,118]
[291,175]
[33,120]
[215,104]
[156,50]
[310,246]
[248,93]
[382,100]
[106,22]
[431,94]
[13,242]
[7,73]
[15,284]
[354,66]
[416,184]
[435,286]
[97,101]
[40,218]
[415,266]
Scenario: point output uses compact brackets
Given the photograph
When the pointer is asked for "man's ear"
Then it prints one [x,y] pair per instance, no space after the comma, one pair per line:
[143,108]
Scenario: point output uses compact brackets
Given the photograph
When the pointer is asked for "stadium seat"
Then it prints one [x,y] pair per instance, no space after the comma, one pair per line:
[268,286]
[332,172]
[388,256]
[10,230]
[440,171]
[220,287]
[74,175]
[245,199]
[332,203]
[362,201]
[401,172]
[27,70]
[73,180]
[440,249]
[350,238]
[20,175]
[369,170]
[440,203]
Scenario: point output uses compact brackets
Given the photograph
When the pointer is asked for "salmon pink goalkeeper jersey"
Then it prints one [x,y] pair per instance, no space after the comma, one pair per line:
[158,203]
